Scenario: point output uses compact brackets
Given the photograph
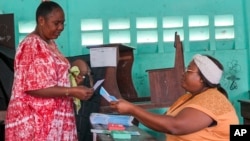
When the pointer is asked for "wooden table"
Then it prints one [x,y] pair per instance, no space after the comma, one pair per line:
[144,136]
[245,111]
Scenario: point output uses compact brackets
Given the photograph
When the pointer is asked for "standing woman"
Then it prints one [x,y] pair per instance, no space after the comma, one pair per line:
[41,104]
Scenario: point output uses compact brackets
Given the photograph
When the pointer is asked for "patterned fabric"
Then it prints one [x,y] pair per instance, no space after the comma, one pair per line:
[214,104]
[37,66]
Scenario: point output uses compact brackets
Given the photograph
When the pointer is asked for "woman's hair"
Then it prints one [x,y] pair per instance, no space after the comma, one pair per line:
[209,84]
[46,8]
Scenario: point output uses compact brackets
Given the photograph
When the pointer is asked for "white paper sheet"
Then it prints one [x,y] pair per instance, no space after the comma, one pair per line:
[98,83]
[103,57]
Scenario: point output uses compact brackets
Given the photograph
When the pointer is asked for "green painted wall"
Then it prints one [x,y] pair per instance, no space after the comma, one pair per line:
[234,54]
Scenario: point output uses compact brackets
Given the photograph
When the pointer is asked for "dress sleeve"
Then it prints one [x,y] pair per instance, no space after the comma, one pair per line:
[35,67]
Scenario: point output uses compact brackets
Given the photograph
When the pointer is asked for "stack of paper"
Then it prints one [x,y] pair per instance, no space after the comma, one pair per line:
[99,118]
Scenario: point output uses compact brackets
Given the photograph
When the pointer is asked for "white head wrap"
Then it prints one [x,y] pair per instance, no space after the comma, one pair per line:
[208,68]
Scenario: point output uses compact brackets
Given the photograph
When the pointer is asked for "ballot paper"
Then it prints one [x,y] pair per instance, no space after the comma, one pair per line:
[106,95]
[100,118]
[98,83]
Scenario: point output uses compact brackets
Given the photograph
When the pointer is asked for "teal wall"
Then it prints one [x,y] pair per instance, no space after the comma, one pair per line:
[234,54]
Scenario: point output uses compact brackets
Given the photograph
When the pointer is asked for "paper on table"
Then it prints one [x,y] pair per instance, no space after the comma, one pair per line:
[98,83]
[101,131]
[107,96]
[100,118]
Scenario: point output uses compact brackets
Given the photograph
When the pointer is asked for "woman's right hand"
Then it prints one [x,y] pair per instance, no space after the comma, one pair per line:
[122,106]
[81,92]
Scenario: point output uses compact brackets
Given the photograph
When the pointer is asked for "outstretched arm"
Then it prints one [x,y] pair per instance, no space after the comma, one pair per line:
[189,120]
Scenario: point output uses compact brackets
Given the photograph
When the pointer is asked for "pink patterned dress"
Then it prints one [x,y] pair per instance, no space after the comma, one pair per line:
[37,66]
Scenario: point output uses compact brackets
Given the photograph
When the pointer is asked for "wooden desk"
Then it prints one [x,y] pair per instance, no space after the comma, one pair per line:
[144,136]
[245,112]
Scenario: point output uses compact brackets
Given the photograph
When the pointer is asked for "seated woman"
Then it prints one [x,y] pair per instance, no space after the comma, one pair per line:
[204,113]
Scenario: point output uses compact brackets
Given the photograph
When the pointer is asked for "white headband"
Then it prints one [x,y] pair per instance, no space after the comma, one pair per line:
[208,68]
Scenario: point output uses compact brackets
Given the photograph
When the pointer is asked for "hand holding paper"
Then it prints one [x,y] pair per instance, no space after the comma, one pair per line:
[107,96]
